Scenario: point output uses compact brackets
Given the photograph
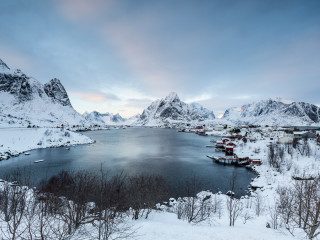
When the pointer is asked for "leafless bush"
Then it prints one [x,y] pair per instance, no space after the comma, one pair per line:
[276,156]
[145,192]
[13,201]
[196,208]
[300,205]
[246,215]
[275,216]
[258,204]
[234,205]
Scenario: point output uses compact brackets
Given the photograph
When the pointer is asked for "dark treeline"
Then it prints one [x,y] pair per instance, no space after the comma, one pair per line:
[94,205]
[71,201]
[120,191]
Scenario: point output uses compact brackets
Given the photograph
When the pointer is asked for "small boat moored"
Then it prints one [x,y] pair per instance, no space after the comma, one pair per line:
[38,161]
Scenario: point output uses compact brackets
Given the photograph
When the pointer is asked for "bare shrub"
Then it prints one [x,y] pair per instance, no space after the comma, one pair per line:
[196,208]
[300,205]
[13,200]
[145,192]
[234,205]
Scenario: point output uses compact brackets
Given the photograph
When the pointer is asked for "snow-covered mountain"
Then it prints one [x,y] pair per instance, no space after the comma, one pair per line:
[104,118]
[25,101]
[275,113]
[172,110]
[133,119]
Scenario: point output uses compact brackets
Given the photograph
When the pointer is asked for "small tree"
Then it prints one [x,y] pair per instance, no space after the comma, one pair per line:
[234,205]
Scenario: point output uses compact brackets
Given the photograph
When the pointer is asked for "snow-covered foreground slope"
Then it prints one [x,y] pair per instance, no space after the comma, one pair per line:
[25,101]
[170,110]
[274,113]
[166,226]
[14,141]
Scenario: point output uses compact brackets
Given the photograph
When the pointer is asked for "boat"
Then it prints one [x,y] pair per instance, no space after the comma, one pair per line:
[26,153]
[38,161]
[243,162]
[219,145]
[212,157]
[219,159]
[67,148]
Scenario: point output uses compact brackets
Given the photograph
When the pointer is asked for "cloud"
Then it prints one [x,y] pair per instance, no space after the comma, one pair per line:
[96,97]
[81,10]
[140,56]
[202,97]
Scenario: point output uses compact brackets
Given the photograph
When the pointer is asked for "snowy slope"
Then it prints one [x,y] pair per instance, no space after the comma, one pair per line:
[132,120]
[171,110]
[275,113]
[25,101]
[104,118]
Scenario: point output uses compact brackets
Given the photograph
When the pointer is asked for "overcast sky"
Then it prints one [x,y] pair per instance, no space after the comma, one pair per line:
[118,56]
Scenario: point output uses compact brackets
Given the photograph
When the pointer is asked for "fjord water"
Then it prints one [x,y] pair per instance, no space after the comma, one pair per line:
[175,156]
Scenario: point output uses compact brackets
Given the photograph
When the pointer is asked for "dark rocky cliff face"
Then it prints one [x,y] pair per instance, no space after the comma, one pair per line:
[26,89]
[16,84]
[55,90]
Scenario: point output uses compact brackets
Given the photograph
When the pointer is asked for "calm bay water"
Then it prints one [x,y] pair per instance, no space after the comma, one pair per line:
[175,156]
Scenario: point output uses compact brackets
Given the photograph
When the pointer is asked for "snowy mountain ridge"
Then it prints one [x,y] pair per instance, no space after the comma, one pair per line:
[25,101]
[104,118]
[172,110]
[275,113]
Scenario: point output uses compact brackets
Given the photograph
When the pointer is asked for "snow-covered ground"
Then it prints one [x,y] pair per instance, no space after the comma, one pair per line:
[166,226]
[14,141]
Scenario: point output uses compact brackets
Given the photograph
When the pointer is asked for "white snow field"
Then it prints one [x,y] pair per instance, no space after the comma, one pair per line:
[166,226]
[14,141]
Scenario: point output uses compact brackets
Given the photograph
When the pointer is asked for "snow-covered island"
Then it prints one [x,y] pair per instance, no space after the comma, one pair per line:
[14,141]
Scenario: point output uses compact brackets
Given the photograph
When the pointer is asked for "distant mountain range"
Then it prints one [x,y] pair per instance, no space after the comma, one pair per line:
[274,113]
[25,101]
[104,118]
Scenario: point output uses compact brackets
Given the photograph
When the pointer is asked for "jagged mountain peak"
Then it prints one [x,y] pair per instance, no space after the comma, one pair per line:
[55,90]
[172,109]
[27,99]
[172,96]
[3,65]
